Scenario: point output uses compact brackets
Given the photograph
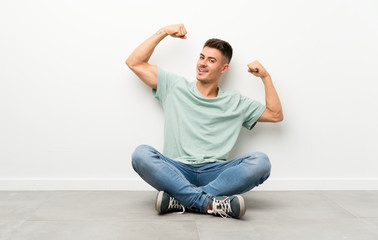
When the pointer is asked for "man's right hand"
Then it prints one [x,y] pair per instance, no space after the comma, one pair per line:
[176,30]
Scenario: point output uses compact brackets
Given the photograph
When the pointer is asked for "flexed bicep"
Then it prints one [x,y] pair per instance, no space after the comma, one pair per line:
[147,73]
[138,60]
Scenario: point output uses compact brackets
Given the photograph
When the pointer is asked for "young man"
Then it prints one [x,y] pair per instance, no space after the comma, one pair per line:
[202,124]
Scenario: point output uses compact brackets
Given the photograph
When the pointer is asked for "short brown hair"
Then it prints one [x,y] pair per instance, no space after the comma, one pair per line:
[223,46]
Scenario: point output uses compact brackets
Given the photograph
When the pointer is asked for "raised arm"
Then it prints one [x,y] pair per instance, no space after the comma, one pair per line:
[138,60]
[273,111]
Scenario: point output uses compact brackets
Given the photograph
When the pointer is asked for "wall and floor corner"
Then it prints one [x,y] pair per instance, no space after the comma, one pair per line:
[71,113]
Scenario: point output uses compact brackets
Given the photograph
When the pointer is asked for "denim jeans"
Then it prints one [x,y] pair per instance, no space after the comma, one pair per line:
[194,186]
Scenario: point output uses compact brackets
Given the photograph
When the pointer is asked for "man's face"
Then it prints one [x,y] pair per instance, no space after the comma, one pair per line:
[210,65]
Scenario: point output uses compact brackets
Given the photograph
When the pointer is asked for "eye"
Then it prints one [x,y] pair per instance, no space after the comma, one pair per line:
[212,60]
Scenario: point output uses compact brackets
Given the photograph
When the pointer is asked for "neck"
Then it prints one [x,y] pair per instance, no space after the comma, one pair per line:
[208,90]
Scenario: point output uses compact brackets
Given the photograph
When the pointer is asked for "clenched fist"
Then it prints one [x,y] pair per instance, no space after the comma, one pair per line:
[177,31]
[257,69]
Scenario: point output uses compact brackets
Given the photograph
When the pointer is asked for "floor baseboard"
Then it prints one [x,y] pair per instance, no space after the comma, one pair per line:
[137,184]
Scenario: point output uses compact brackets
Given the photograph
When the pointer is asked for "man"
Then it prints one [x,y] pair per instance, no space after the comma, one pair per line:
[202,124]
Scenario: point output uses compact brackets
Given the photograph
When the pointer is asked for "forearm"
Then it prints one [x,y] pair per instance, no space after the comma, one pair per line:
[272,101]
[144,51]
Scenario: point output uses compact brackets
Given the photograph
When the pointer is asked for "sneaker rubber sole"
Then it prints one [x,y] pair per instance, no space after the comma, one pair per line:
[242,206]
[158,201]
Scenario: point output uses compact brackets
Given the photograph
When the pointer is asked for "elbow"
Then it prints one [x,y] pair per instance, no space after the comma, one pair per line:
[129,63]
[278,117]
[271,116]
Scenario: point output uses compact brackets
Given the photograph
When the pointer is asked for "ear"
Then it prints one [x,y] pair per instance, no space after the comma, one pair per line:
[225,68]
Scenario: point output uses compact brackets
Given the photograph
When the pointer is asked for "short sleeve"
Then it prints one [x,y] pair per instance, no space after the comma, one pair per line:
[252,111]
[165,82]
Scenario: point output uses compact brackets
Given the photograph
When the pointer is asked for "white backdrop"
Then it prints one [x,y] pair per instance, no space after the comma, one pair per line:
[71,112]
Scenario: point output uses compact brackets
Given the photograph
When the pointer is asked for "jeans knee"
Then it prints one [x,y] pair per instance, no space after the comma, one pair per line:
[140,154]
[263,162]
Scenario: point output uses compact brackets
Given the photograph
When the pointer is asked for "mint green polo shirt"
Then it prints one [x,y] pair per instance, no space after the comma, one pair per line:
[200,130]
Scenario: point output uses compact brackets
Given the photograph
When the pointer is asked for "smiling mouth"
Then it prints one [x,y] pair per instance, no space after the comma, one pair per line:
[201,70]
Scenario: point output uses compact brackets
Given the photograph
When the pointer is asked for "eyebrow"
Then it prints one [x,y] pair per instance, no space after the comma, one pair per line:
[201,54]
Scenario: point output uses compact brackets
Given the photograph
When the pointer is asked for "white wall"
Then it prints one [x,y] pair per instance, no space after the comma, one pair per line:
[71,112]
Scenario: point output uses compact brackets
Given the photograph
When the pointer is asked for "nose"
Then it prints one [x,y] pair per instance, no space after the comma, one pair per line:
[203,63]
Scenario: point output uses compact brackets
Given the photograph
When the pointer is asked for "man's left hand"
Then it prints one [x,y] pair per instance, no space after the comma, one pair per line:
[257,69]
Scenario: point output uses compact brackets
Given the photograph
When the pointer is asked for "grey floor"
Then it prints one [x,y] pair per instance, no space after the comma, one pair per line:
[93,215]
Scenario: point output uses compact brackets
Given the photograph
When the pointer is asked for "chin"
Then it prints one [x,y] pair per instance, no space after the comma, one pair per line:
[201,79]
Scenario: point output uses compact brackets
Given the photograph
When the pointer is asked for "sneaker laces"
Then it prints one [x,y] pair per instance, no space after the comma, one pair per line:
[221,207]
[173,203]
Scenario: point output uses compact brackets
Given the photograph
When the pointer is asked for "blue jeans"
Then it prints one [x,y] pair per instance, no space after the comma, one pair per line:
[194,186]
